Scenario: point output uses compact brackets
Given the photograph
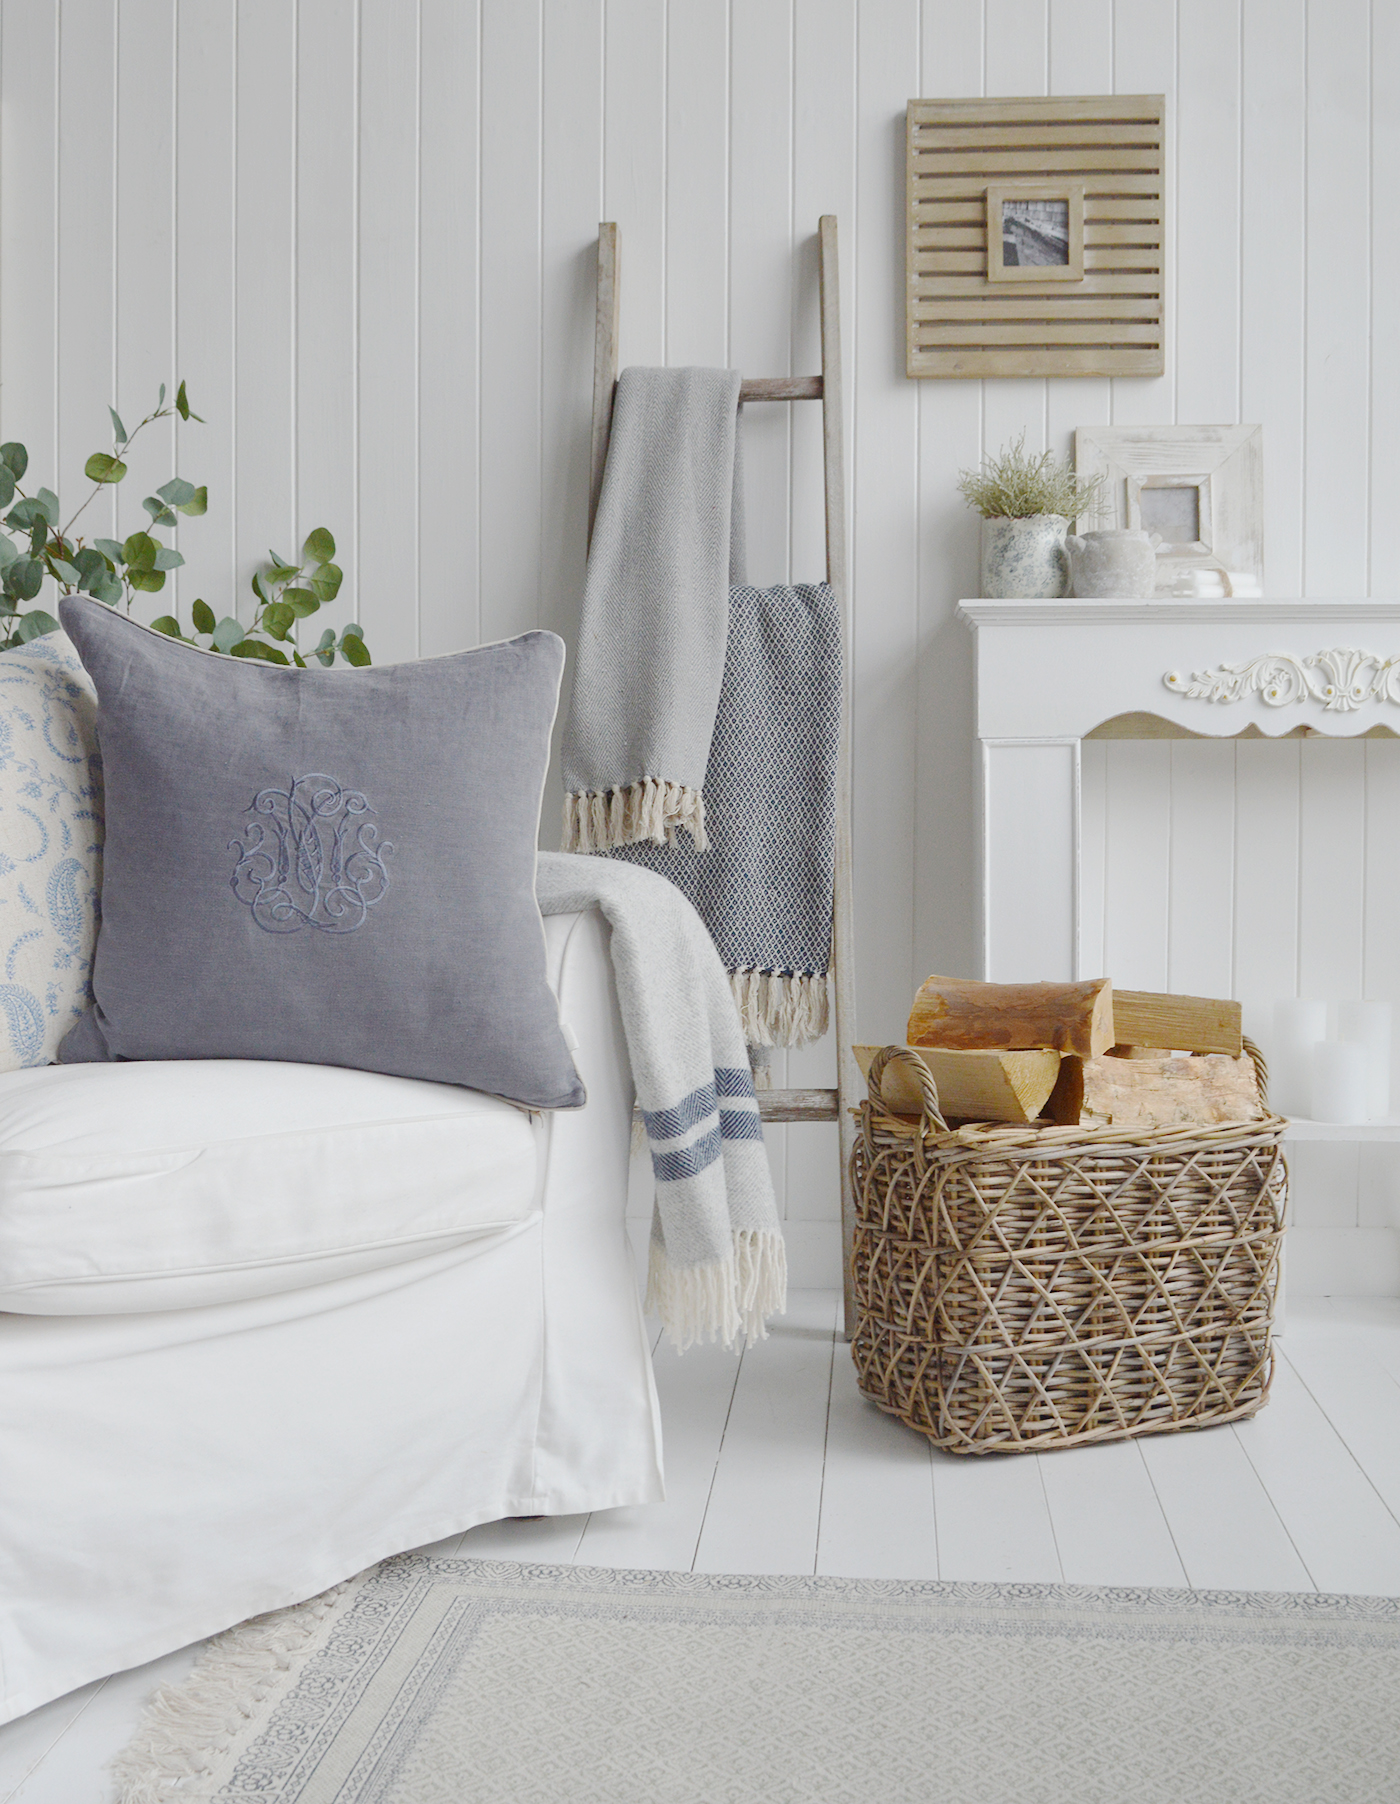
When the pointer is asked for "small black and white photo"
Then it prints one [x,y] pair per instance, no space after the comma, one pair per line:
[1034,232]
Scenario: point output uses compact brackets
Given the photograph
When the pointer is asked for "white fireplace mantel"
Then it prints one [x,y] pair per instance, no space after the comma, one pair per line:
[1049,672]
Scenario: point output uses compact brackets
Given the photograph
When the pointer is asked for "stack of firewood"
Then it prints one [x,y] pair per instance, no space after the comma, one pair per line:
[1075,1054]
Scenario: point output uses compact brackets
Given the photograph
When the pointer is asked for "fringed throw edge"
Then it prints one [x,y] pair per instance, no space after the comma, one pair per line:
[652,809]
[781,1008]
[191,1734]
[726,1298]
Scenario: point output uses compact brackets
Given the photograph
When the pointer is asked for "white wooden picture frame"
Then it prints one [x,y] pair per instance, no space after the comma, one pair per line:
[1199,487]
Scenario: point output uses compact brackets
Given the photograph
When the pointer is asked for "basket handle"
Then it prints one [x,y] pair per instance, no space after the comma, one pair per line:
[1261,1070]
[928,1089]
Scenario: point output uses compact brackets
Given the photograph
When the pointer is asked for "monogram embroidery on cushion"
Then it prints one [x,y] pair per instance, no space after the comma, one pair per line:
[310,857]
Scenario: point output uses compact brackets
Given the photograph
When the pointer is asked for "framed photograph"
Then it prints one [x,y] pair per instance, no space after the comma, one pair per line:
[1035,232]
[1199,488]
[1033,242]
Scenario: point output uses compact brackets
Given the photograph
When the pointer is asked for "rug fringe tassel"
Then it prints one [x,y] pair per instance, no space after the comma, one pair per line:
[781,1008]
[182,1744]
[653,809]
[724,1299]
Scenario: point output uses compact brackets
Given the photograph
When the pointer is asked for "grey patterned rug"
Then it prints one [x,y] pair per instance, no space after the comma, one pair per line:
[432,1681]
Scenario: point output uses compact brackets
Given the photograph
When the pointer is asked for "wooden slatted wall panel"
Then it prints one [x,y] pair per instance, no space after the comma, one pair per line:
[962,324]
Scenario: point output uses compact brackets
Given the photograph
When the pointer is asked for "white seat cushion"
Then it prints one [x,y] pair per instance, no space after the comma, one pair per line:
[133,1187]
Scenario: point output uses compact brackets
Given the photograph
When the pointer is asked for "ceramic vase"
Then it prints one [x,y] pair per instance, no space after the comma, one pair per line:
[1023,559]
[1119,562]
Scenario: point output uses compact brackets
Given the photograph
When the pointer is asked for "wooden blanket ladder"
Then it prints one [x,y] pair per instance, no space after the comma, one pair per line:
[784,1105]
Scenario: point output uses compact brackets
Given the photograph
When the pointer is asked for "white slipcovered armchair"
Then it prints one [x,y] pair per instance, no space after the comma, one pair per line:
[264,1324]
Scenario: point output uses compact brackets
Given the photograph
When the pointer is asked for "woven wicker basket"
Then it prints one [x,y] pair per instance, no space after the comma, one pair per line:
[1027,1288]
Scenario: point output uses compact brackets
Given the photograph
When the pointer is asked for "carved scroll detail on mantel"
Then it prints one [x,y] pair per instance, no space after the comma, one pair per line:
[1341,680]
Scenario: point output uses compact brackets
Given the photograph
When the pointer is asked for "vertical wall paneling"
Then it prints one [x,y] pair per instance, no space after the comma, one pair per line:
[1201,894]
[1144,62]
[1015,62]
[950,439]
[1274,124]
[325,494]
[697,186]
[884,551]
[30,116]
[145,254]
[1266,879]
[571,203]
[264,289]
[1338,296]
[1384,570]
[1093,846]
[634,168]
[1136,883]
[1331,863]
[206,350]
[1208,195]
[1080,62]
[1380,976]
[85,230]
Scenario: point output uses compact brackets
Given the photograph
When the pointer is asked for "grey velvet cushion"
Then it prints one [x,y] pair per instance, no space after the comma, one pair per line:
[331,867]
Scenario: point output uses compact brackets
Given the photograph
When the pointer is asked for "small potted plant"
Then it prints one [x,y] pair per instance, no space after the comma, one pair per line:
[1026,504]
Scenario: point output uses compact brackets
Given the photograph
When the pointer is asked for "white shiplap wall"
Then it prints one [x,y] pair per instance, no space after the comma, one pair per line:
[364,234]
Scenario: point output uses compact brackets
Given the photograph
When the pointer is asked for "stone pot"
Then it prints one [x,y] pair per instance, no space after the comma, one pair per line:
[1120,562]
[1022,559]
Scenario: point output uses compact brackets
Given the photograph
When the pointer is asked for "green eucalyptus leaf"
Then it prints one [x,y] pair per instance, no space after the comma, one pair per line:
[24,578]
[49,502]
[91,566]
[203,617]
[109,591]
[160,399]
[34,625]
[198,504]
[354,650]
[301,601]
[167,558]
[327,580]
[254,648]
[26,514]
[167,624]
[319,547]
[15,459]
[258,589]
[325,657]
[298,660]
[122,434]
[149,581]
[278,619]
[139,551]
[112,549]
[327,640]
[159,512]
[7,486]
[9,551]
[39,537]
[65,572]
[177,492]
[280,572]
[227,634]
[182,405]
[103,467]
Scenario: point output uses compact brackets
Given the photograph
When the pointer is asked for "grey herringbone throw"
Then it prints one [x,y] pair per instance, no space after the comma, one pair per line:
[667,543]
[763,885]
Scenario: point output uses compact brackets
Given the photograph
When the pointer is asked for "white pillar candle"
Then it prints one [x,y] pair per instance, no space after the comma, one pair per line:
[1368,1024]
[1339,1082]
[1298,1025]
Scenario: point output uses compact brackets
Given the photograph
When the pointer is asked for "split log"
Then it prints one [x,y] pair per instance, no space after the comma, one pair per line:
[1179,1023]
[960,1015]
[972,1086]
[1199,1091]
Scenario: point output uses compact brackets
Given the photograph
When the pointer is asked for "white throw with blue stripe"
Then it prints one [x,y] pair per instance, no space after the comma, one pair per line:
[717,1264]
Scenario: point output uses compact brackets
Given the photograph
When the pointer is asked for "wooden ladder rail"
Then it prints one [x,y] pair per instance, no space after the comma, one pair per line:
[836,1105]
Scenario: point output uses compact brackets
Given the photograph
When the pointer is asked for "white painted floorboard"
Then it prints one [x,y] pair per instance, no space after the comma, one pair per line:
[775,1463]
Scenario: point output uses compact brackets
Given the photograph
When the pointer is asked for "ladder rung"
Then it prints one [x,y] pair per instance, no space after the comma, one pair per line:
[781,388]
[798,1105]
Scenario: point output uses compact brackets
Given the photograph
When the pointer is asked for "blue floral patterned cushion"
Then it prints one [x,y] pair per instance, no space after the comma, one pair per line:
[50,847]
